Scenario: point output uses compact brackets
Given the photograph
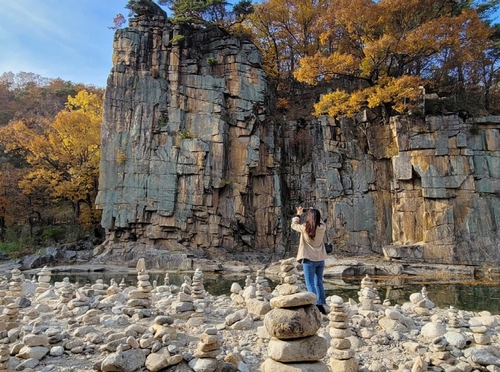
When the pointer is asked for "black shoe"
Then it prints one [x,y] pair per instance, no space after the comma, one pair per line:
[321,308]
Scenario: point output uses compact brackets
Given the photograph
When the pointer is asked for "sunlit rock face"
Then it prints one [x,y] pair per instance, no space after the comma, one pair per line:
[188,153]
[193,163]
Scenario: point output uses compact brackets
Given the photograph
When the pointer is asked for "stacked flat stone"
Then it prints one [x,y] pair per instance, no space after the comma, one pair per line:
[4,358]
[292,325]
[140,299]
[99,287]
[65,291]
[16,284]
[341,355]
[453,322]
[421,302]
[184,307]
[236,295]
[122,284]
[207,351]
[113,288]
[263,291]
[44,278]
[80,304]
[481,337]
[11,315]
[198,290]
[367,295]
[439,354]
[166,280]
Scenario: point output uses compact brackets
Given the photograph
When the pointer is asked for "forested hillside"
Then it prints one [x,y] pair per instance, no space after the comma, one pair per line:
[49,130]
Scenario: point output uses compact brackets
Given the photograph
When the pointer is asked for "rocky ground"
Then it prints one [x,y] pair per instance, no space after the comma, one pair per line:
[108,327]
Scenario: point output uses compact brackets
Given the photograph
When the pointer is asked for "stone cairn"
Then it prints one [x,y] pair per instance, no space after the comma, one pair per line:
[368,295]
[341,355]
[140,299]
[480,334]
[292,325]
[65,292]
[122,284]
[263,291]
[4,358]
[44,277]
[207,351]
[453,322]
[184,306]
[197,287]
[236,295]
[15,289]
[421,302]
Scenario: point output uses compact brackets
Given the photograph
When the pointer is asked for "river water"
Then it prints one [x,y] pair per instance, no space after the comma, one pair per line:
[468,295]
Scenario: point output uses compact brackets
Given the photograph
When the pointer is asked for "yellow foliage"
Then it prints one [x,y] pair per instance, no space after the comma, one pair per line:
[383,47]
[64,154]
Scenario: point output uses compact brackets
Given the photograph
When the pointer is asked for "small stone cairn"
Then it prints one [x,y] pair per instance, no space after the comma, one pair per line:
[368,295]
[263,291]
[44,278]
[197,287]
[4,358]
[207,351]
[65,292]
[292,325]
[341,355]
[236,297]
[421,302]
[184,307]
[16,284]
[122,284]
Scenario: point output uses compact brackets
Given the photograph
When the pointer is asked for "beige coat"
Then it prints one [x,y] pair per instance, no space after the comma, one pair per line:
[313,250]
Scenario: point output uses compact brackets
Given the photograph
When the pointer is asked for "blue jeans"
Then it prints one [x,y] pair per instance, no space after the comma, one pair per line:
[313,274]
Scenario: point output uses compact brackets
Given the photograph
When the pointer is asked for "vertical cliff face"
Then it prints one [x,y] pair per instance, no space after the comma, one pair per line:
[192,163]
[188,151]
[421,189]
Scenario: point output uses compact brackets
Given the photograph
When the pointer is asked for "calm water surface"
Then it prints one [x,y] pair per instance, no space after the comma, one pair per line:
[471,295]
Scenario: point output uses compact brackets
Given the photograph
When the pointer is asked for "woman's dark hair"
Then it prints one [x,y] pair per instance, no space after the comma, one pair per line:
[313,220]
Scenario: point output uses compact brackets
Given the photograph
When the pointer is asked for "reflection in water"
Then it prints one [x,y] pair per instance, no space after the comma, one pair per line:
[473,296]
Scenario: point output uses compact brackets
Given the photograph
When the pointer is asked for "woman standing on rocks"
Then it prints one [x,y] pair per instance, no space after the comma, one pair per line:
[312,253]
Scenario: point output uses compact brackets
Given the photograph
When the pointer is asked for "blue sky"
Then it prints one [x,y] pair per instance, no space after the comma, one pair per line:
[67,39]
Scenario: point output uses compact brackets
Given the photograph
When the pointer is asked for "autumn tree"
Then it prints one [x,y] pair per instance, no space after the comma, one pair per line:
[63,154]
[285,31]
[387,49]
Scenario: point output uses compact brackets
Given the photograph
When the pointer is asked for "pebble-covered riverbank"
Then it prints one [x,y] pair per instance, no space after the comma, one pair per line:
[148,327]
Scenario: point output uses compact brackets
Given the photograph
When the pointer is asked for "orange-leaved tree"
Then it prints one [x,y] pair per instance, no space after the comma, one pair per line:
[384,50]
[63,154]
[285,31]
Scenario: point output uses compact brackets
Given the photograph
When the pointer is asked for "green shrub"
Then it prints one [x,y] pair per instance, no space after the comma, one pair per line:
[177,39]
[212,61]
[54,234]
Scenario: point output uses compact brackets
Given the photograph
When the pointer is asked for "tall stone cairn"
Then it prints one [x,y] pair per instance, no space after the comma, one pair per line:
[341,355]
[198,290]
[263,291]
[140,299]
[44,277]
[292,325]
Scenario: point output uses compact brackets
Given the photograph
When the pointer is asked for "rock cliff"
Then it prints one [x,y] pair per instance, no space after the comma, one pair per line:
[193,162]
